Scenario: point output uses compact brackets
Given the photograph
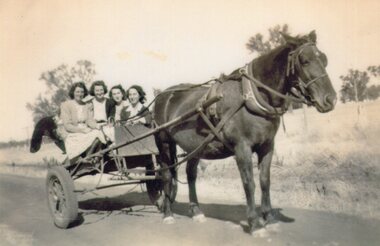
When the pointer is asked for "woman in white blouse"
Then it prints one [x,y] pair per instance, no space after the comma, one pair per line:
[101,106]
[136,112]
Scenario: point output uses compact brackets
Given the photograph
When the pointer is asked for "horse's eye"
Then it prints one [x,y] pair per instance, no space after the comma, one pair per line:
[305,63]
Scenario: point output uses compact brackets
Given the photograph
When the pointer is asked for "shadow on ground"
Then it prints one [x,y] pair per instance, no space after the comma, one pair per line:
[123,204]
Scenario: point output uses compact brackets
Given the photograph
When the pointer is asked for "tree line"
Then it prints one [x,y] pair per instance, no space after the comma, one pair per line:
[355,85]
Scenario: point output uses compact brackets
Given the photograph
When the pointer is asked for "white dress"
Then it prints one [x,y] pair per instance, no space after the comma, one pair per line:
[77,142]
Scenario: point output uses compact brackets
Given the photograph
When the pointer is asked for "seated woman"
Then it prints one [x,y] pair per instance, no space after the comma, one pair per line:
[117,96]
[80,129]
[136,119]
[101,106]
[136,112]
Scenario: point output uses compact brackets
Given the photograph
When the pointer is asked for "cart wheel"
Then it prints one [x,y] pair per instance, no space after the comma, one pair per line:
[62,201]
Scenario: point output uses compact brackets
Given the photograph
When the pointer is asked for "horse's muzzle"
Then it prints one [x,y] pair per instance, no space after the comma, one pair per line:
[327,104]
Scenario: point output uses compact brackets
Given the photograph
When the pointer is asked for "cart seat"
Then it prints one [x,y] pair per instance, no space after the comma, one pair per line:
[145,146]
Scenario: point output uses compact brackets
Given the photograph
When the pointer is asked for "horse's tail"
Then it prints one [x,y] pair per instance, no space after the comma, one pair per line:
[38,132]
[44,127]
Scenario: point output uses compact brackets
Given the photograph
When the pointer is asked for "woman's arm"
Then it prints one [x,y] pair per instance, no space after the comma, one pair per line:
[67,119]
[90,121]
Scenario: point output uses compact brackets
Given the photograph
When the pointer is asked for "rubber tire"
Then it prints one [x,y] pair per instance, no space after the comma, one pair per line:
[61,177]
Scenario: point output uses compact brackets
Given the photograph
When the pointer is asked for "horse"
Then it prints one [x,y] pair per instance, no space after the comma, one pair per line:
[250,121]
[46,126]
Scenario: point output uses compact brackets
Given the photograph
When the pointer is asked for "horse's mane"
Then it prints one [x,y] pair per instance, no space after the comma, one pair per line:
[277,55]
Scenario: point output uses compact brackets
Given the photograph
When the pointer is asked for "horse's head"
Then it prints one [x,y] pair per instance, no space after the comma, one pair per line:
[307,65]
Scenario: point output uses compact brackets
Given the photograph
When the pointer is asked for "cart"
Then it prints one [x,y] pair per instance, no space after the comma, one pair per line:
[134,152]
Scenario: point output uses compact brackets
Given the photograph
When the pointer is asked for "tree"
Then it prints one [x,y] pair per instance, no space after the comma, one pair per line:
[257,44]
[354,87]
[58,82]
[374,70]
[373,92]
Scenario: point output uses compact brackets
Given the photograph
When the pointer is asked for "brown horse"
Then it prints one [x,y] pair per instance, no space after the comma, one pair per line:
[298,67]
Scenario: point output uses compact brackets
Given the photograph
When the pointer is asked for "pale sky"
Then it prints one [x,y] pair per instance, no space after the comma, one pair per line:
[161,42]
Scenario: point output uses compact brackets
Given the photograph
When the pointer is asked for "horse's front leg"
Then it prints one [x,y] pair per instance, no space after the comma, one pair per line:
[265,155]
[243,154]
[191,171]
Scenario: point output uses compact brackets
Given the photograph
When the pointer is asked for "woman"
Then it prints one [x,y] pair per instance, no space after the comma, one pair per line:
[117,95]
[136,112]
[80,129]
[101,106]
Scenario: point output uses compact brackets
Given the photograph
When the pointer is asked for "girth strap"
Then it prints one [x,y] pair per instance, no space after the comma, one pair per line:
[215,130]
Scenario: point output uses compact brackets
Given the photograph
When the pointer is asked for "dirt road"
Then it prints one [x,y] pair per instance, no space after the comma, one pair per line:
[120,218]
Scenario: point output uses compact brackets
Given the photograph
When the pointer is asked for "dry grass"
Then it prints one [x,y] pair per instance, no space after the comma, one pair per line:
[329,163]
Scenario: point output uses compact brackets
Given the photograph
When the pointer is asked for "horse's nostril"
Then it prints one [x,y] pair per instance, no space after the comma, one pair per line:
[330,100]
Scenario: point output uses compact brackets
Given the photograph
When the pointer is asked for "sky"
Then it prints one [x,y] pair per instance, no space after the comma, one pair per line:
[159,43]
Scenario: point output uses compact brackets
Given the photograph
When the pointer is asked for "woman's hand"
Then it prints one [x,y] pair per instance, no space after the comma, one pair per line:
[130,122]
[85,130]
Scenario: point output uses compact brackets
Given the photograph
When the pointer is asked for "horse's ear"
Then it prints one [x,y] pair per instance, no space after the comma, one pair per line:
[313,36]
[289,39]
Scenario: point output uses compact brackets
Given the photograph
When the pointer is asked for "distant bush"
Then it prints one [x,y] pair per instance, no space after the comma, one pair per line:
[14,143]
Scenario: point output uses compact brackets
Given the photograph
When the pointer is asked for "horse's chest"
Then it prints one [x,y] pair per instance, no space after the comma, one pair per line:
[254,130]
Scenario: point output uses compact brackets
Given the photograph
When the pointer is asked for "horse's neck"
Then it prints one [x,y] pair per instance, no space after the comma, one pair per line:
[270,69]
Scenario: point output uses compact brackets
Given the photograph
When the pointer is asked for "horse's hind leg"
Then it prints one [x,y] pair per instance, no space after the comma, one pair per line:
[167,175]
[243,154]
[265,155]
[191,171]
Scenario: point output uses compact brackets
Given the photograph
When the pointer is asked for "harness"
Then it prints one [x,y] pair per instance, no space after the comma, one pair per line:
[254,100]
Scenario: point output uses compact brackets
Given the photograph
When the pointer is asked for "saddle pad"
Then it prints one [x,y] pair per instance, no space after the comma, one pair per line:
[145,146]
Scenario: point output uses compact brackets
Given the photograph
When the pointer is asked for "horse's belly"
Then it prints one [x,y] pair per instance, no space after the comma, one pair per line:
[189,141]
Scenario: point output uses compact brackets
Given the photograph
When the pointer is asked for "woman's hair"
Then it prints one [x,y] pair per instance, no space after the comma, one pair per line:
[74,86]
[117,87]
[139,90]
[98,83]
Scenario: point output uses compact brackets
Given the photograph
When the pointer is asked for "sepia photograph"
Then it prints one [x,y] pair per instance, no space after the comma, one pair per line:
[204,122]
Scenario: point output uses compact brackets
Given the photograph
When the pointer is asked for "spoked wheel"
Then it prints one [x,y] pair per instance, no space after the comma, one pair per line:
[62,200]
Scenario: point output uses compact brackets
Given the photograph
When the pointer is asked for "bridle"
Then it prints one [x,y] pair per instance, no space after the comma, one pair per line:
[299,89]
[295,64]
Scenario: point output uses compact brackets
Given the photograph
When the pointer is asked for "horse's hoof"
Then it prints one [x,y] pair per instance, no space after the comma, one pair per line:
[168,220]
[270,218]
[260,233]
[199,218]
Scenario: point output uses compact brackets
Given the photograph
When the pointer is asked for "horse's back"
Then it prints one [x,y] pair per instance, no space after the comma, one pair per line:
[177,100]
